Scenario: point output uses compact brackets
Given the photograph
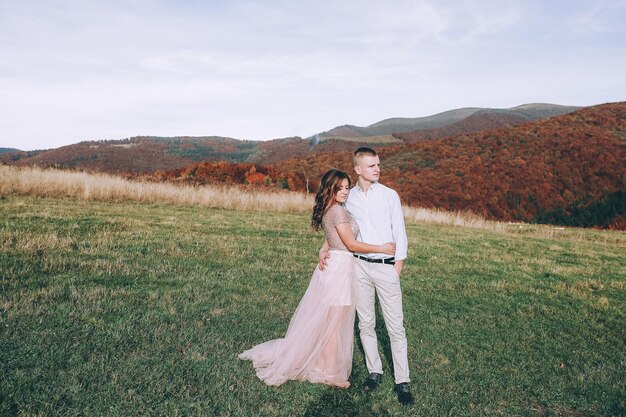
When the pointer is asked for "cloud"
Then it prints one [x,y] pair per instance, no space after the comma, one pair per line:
[600,17]
[263,69]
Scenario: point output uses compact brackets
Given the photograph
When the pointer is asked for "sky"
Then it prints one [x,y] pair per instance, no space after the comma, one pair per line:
[81,70]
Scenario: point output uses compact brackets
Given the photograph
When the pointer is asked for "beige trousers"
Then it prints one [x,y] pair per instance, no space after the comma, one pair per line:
[383,280]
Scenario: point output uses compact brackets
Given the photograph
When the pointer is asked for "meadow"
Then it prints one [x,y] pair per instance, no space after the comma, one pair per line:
[126,308]
[117,308]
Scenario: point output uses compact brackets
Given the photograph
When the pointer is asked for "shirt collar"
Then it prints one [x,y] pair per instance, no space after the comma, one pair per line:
[372,186]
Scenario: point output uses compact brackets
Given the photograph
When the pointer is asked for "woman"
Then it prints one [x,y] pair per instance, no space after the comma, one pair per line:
[318,344]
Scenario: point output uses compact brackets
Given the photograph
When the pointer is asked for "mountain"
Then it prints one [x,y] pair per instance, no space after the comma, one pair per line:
[399,124]
[8,150]
[567,169]
[145,154]
[537,111]
[481,120]
[526,112]
[138,154]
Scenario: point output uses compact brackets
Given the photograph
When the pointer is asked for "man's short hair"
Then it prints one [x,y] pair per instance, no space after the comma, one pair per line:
[362,151]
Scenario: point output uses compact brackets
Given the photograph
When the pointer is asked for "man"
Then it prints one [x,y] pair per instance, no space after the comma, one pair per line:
[378,212]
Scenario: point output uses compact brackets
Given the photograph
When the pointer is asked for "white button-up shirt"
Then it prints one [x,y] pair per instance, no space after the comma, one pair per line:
[379,216]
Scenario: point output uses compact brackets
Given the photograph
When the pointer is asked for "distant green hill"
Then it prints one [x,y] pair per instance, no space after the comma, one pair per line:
[7,150]
[150,153]
[526,112]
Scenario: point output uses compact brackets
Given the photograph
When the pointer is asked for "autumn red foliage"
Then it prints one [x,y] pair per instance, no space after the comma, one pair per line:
[136,155]
[552,170]
[567,169]
[242,174]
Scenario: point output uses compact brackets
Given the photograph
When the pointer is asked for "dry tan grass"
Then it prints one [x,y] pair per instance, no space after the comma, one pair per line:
[436,216]
[104,187]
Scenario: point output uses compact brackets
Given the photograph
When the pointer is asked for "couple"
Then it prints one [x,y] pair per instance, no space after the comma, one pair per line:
[319,342]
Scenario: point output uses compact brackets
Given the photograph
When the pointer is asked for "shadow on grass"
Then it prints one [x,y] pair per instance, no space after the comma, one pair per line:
[353,401]
[337,402]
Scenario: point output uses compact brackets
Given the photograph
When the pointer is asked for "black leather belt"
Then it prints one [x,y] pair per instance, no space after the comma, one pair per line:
[387,261]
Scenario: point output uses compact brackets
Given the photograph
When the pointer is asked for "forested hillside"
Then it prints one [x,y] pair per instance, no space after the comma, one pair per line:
[568,169]
[145,154]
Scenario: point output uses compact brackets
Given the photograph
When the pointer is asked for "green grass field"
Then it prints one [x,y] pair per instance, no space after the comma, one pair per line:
[116,309]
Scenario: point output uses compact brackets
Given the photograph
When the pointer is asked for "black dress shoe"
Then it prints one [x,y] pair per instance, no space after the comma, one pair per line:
[404,393]
[372,382]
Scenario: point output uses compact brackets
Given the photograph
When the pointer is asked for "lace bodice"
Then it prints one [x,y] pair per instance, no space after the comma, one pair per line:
[335,215]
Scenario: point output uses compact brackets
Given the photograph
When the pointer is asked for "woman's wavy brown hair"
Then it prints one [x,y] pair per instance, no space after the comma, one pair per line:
[330,184]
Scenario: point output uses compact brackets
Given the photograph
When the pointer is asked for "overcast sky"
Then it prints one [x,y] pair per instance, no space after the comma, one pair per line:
[88,70]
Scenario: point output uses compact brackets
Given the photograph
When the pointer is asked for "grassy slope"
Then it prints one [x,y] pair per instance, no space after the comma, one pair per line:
[127,309]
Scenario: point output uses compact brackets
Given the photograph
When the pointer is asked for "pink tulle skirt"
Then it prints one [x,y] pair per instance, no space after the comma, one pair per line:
[319,341]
